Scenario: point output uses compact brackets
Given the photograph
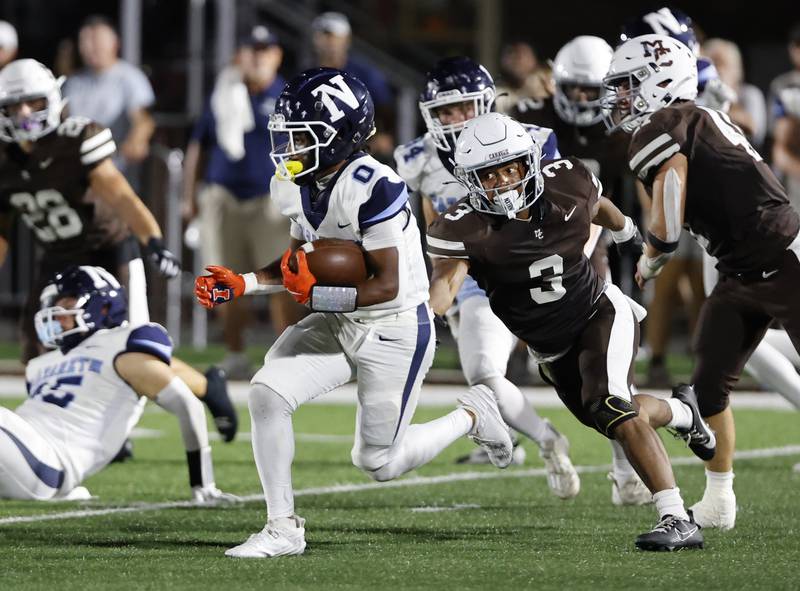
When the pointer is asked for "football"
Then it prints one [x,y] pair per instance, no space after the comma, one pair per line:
[334,262]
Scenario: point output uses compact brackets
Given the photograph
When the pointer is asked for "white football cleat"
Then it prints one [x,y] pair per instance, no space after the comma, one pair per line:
[79,493]
[489,431]
[718,511]
[211,495]
[478,455]
[280,537]
[631,492]
[562,478]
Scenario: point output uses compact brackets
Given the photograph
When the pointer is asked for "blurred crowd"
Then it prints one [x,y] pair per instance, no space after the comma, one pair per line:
[227,166]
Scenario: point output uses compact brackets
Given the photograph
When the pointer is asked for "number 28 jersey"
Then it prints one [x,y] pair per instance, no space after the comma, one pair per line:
[48,187]
[538,281]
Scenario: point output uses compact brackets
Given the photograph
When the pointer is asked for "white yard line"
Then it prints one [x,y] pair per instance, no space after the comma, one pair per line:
[768,452]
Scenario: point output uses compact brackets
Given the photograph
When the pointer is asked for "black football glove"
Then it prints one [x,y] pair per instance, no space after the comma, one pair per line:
[162,259]
[629,241]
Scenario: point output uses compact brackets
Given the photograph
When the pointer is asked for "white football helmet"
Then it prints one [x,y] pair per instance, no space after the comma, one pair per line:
[582,62]
[487,141]
[647,73]
[25,80]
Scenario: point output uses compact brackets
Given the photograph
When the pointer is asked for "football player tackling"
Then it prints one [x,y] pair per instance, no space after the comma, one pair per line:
[520,233]
[378,333]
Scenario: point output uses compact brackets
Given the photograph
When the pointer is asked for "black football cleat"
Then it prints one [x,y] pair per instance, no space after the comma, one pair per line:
[219,404]
[671,533]
[124,454]
[699,436]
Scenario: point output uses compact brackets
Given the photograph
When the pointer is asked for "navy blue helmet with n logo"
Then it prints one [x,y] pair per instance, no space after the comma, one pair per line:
[322,116]
[451,81]
[100,302]
[664,21]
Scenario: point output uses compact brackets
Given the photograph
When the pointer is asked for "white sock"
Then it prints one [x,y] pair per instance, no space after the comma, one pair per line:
[517,412]
[669,502]
[719,483]
[622,469]
[681,414]
[273,448]
[770,367]
[424,441]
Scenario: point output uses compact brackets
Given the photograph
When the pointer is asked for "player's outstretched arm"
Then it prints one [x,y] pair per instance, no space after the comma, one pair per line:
[624,232]
[152,377]
[113,189]
[666,217]
[446,280]
[223,284]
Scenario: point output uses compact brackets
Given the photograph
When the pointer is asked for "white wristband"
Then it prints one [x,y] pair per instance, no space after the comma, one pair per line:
[627,232]
[252,286]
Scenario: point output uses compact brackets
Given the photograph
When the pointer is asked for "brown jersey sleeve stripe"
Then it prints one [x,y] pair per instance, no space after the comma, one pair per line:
[96,141]
[440,248]
[649,149]
[644,169]
[99,153]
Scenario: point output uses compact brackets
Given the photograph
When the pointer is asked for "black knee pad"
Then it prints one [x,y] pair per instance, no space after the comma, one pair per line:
[711,400]
[609,412]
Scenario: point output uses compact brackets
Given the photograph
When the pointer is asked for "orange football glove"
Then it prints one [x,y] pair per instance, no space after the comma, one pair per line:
[221,286]
[299,284]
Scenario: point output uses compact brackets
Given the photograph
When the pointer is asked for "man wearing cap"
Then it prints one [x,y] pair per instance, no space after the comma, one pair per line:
[240,227]
[112,92]
[331,39]
[8,43]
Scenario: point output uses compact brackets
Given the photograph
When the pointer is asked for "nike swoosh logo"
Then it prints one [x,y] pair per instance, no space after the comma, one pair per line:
[569,215]
[768,274]
[386,339]
[345,225]
[687,535]
[45,163]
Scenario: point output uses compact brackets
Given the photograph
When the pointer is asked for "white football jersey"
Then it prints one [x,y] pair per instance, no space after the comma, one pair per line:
[352,205]
[420,165]
[79,403]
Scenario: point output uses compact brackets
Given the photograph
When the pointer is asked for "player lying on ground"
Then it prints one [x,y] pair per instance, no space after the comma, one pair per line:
[58,176]
[378,332]
[737,209]
[456,90]
[521,234]
[85,397]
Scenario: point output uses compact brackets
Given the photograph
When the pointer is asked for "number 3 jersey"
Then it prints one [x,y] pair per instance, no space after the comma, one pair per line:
[538,281]
[48,188]
[733,201]
[79,403]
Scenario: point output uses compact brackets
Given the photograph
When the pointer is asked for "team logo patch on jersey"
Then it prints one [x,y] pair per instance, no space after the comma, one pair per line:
[538,233]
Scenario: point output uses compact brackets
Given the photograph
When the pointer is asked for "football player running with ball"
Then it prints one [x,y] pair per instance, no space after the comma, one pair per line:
[86,396]
[735,207]
[379,333]
[520,233]
[457,90]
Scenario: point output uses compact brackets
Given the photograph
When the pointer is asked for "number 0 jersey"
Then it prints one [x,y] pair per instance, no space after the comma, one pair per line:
[79,403]
[733,200]
[48,188]
[538,281]
[353,205]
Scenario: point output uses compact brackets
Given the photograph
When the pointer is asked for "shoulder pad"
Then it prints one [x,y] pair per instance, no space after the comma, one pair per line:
[151,339]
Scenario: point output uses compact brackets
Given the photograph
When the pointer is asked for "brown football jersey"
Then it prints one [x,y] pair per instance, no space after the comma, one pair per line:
[733,200]
[48,187]
[605,155]
[534,272]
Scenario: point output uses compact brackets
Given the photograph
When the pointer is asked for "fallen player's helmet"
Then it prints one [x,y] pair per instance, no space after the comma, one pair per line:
[99,303]
[27,80]
[322,116]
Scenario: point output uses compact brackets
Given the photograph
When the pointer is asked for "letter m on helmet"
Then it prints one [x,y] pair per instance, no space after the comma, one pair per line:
[341,91]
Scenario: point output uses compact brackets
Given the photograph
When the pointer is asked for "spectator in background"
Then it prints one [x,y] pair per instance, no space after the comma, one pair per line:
[785,114]
[8,43]
[112,92]
[749,111]
[522,79]
[332,36]
[240,227]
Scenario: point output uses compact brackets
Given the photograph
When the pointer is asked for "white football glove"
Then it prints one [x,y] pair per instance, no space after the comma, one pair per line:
[211,495]
[717,95]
